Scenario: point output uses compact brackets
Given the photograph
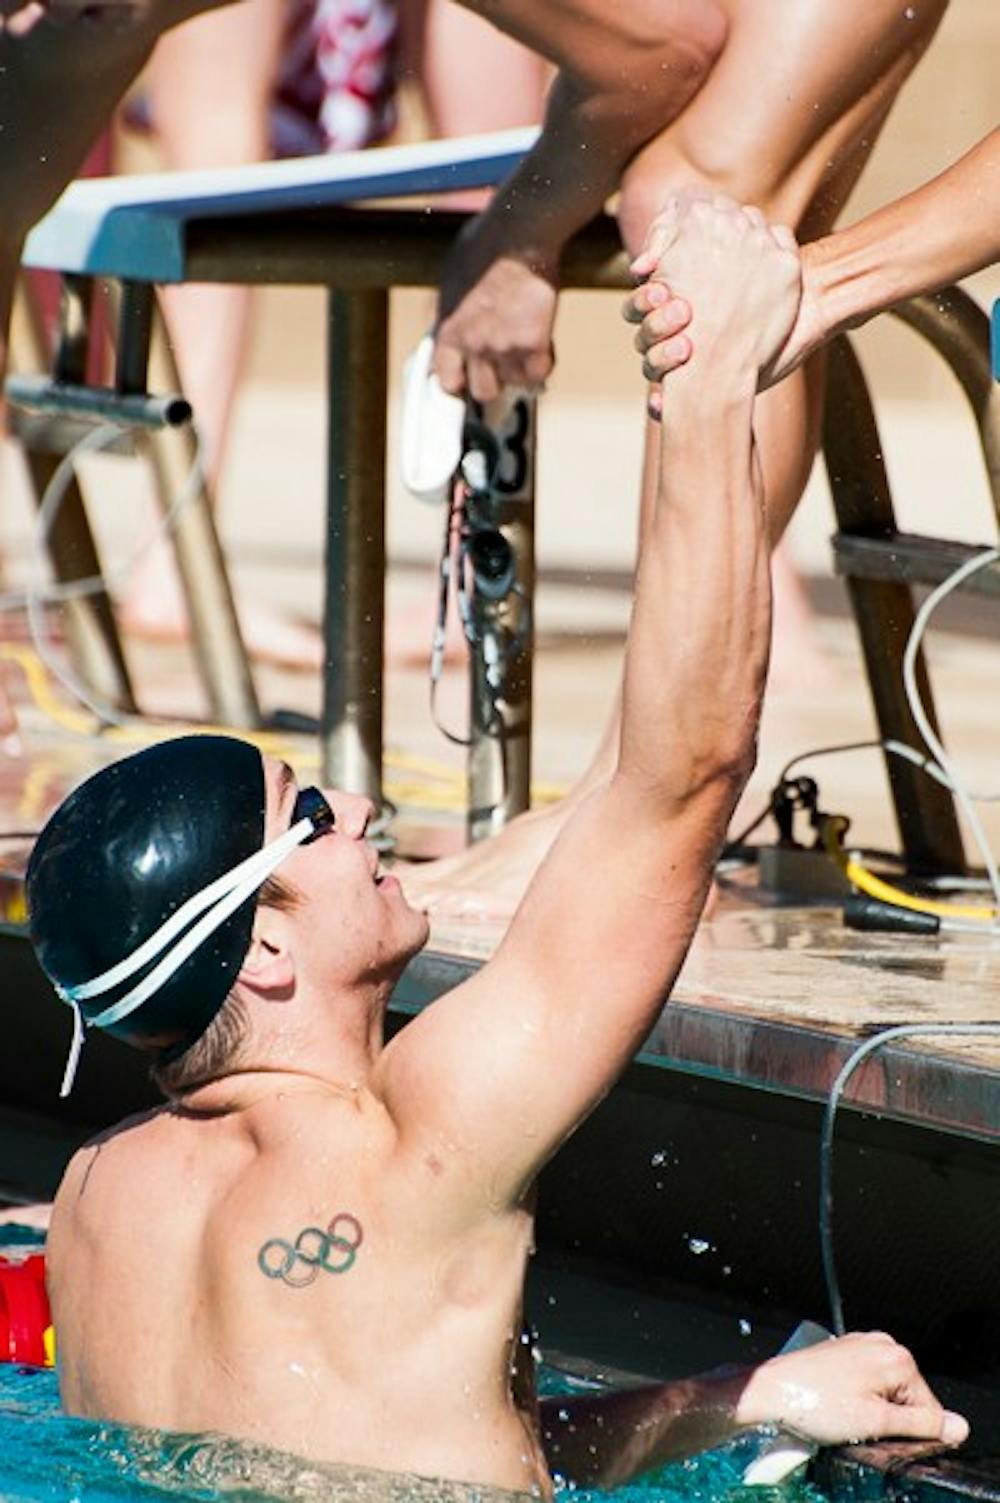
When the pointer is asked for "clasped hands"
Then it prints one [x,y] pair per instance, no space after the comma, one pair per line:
[498,300]
[674,305]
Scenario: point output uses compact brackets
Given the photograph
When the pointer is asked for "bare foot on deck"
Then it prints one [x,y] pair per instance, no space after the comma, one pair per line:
[486,881]
[154,609]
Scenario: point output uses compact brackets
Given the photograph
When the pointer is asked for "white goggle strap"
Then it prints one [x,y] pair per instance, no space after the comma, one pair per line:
[221,898]
[75,1050]
[189,911]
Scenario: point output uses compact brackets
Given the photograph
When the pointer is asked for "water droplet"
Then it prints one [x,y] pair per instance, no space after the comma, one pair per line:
[909,13]
[698,1245]
[745,1327]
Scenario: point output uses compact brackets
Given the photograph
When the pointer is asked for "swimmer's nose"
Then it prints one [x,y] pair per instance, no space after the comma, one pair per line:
[352,812]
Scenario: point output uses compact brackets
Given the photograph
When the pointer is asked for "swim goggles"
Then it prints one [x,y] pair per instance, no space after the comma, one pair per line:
[190,926]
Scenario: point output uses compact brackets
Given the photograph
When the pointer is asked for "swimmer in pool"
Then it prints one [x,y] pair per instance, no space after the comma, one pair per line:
[320,1241]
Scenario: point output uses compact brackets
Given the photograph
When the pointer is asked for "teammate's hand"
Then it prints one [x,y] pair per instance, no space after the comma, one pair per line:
[497,308]
[854,1388]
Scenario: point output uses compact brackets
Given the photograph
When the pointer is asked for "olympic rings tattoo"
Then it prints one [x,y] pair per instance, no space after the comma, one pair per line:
[298,1264]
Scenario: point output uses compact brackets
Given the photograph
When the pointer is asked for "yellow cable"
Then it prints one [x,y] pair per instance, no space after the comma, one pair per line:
[450,797]
[833,830]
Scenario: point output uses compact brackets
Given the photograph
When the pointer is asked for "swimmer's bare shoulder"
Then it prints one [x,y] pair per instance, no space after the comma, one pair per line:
[293,1249]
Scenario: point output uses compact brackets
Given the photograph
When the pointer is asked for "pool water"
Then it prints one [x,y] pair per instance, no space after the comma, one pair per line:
[45,1457]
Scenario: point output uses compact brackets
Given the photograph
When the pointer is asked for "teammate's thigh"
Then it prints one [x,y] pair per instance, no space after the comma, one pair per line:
[790,110]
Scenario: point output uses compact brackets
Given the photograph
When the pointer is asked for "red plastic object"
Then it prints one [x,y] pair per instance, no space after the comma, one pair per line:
[24,1310]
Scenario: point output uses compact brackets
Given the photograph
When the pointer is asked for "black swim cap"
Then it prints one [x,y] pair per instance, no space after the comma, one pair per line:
[121,855]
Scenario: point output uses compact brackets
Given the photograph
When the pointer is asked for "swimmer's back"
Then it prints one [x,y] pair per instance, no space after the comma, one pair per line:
[393,1355]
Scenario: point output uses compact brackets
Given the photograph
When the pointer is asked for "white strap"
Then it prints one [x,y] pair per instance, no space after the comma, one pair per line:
[75,1050]
[255,869]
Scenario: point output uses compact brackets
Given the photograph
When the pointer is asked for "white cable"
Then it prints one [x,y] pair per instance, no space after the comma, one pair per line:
[39,593]
[962,797]
[897,749]
[52,499]
[856,1058]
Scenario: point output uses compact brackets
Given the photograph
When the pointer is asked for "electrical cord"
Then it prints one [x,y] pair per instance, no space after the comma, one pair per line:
[832,830]
[963,798]
[416,781]
[39,593]
[851,1064]
[985,919]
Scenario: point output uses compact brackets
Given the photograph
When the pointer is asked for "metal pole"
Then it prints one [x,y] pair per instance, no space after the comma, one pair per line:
[215,629]
[351,734]
[883,611]
[499,760]
[959,330]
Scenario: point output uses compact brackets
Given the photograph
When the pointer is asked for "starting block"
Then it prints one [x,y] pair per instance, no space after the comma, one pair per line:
[284,222]
[137,228]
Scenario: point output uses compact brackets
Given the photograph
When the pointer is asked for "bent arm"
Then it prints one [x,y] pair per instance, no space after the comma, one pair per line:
[624,73]
[858,1387]
[603,1440]
[63,70]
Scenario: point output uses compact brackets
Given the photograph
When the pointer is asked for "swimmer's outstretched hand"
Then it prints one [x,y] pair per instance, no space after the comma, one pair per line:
[854,1388]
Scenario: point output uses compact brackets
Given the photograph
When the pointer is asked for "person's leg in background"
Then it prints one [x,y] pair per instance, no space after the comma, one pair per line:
[786,121]
[209,89]
[475,78]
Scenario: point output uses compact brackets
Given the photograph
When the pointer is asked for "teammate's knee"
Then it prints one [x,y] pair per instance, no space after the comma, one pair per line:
[655,174]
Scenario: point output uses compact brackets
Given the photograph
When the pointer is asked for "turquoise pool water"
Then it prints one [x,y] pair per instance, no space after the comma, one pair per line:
[46,1457]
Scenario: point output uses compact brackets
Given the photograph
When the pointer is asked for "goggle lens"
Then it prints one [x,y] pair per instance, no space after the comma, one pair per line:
[311,804]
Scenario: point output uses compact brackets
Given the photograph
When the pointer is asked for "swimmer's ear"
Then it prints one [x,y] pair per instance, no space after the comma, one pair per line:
[268,965]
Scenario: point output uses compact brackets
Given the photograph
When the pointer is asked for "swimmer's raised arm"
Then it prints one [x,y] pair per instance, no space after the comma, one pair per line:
[862,1387]
[625,72]
[501,1070]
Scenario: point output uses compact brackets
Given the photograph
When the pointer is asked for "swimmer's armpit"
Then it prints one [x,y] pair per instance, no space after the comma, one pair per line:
[316,1249]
